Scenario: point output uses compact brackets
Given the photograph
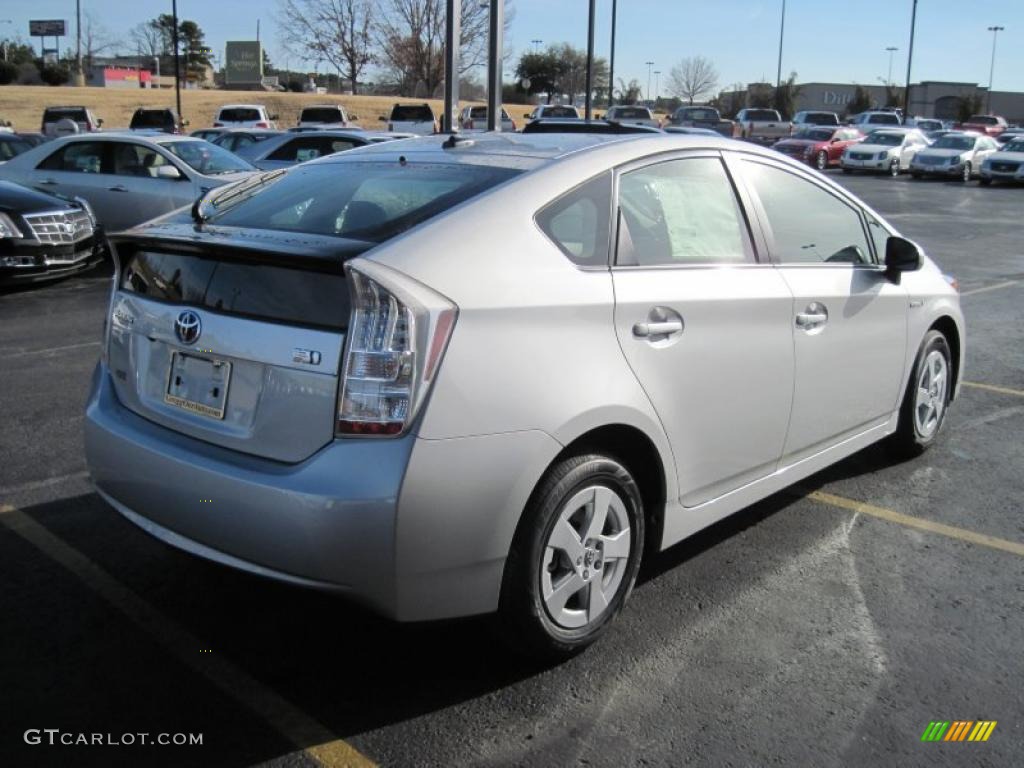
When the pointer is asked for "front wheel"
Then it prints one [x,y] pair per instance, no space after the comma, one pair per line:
[984,182]
[574,558]
[894,168]
[967,173]
[926,399]
[847,170]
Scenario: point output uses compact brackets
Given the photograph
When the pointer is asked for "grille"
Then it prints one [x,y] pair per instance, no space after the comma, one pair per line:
[930,160]
[60,227]
[1005,167]
[861,155]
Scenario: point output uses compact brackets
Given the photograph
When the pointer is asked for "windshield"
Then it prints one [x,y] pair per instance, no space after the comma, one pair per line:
[813,134]
[11,147]
[885,139]
[207,158]
[1017,145]
[321,115]
[360,201]
[983,120]
[954,142]
[696,114]
[412,114]
[239,115]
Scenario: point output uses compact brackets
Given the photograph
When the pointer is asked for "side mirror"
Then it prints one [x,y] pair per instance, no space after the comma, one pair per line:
[526,114]
[168,172]
[902,255]
[353,117]
[184,123]
[99,121]
[275,117]
[382,119]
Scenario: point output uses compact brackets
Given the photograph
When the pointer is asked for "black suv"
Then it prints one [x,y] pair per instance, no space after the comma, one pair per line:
[162,119]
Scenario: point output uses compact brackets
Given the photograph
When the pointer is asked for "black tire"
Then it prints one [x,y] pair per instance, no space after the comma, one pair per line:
[984,182]
[523,620]
[966,175]
[847,170]
[894,168]
[915,174]
[821,160]
[908,441]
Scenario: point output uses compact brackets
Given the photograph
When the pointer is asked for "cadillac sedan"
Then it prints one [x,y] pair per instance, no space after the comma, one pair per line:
[888,150]
[127,178]
[820,147]
[1005,165]
[957,155]
[452,377]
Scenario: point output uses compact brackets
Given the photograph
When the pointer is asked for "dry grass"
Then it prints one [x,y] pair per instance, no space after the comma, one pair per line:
[23,105]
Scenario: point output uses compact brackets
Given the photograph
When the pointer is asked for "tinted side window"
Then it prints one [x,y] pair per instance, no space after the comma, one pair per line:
[78,157]
[308,146]
[137,160]
[578,222]
[808,224]
[681,212]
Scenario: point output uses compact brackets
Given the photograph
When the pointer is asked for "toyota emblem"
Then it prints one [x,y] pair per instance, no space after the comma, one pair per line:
[188,327]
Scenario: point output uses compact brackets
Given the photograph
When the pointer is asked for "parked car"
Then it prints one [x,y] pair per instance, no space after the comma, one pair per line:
[127,178]
[572,125]
[63,121]
[1005,165]
[701,117]
[958,155]
[209,134]
[325,115]
[1009,135]
[821,147]
[474,118]
[43,237]
[631,115]
[990,125]
[690,130]
[925,125]
[244,116]
[162,119]
[888,150]
[238,141]
[559,111]
[869,121]
[374,412]
[290,148]
[32,139]
[412,118]
[809,118]
[10,145]
[763,126]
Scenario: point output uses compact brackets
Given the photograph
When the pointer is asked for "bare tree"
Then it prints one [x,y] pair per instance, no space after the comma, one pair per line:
[96,39]
[336,31]
[692,78]
[146,39]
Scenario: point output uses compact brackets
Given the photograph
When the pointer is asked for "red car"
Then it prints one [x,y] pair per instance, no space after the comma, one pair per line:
[990,125]
[819,146]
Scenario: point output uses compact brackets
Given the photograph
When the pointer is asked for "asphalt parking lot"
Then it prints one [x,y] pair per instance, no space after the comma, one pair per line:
[827,625]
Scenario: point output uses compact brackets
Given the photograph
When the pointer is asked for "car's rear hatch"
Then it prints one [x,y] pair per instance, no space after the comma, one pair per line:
[231,340]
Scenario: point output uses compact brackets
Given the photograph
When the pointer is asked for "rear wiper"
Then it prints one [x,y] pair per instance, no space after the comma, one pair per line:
[206,206]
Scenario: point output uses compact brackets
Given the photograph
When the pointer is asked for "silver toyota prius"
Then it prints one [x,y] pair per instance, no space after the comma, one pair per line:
[453,377]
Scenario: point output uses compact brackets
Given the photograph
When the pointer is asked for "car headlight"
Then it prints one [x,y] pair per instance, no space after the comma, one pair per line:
[84,205]
[8,228]
[955,160]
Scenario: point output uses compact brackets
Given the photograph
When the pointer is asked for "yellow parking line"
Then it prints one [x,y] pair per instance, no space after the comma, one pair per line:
[919,523]
[993,388]
[295,725]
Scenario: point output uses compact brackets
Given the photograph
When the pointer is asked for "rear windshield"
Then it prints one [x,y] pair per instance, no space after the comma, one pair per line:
[814,134]
[762,114]
[52,115]
[697,114]
[412,114]
[361,201]
[885,119]
[632,113]
[152,118]
[321,115]
[239,115]
[11,147]
[255,290]
[821,118]
[560,112]
[983,120]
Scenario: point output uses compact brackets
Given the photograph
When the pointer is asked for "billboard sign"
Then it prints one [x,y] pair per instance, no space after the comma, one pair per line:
[243,63]
[47,28]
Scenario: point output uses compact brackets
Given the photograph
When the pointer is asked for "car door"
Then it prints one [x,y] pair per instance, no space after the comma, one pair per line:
[849,320]
[136,192]
[704,325]
[76,169]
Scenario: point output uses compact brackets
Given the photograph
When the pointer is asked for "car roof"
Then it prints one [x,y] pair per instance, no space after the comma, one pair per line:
[155,137]
[243,106]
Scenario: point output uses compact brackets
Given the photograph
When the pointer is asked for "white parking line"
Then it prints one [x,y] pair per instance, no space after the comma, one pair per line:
[50,350]
[13,490]
[987,288]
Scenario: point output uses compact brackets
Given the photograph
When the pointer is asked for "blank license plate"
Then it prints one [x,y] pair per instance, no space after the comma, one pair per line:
[198,384]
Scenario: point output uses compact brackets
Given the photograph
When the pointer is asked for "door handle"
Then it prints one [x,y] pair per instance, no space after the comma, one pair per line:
[815,315]
[49,182]
[118,188]
[663,328]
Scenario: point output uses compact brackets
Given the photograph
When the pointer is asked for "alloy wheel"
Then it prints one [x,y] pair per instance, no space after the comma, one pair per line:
[930,400]
[585,557]
[822,160]
[967,171]
[894,168]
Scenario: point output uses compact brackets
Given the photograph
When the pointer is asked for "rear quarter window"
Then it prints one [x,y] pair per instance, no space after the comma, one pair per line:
[579,222]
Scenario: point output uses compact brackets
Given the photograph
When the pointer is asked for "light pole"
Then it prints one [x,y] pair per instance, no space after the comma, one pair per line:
[588,101]
[611,58]
[782,32]
[891,49]
[649,65]
[992,69]
[910,59]
[536,45]
[657,84]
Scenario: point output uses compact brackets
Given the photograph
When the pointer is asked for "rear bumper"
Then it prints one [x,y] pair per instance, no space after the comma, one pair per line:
[416,529]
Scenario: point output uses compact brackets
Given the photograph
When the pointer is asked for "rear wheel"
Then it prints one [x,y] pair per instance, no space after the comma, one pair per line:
[924,403]
[967,173]
[821,160]
[574,558]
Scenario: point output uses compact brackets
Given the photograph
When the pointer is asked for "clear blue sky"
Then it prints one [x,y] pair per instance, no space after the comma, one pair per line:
[825,41]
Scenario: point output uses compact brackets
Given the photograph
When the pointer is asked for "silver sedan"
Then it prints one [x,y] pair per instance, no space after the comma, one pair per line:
[450,378]
[290,148]
[127,178]
[957,155]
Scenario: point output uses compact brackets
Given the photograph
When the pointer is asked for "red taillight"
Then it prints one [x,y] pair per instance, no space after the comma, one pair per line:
[514,126]
[262,124]
[218,125]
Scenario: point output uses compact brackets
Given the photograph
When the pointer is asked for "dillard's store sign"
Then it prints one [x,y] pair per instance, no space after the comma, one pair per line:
[834,99]
[243,62]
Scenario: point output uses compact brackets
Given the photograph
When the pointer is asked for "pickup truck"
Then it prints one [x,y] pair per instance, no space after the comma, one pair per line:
[702,117]
[764,126]
[990,125]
